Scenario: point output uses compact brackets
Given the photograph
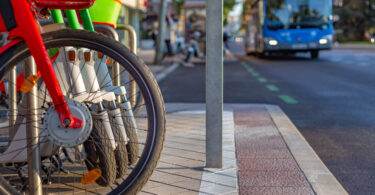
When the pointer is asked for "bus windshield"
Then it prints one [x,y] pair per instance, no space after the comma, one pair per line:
[289,14]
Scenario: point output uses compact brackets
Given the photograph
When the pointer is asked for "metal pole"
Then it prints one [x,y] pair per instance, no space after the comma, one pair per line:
[32,132]
[132,36]
[12,101]
[133,48]
[214,84]
[161,31]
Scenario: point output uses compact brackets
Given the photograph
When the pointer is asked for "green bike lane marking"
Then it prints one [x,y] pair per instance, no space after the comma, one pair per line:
[272,87]
[285,98]
[250,69]
[262,80]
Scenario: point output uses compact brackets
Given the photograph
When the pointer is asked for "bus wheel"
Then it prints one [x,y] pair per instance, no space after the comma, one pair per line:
[263,54]
[314,54]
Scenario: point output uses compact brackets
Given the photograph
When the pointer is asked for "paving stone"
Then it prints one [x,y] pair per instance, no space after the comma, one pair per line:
[254,123]
[271,153]
[268,164]
[274,139]
[191,185]
[272,178]
[188,193]
[166,189]
[217,189]
[252,114]
[265,163]
[180,168]
[276,191]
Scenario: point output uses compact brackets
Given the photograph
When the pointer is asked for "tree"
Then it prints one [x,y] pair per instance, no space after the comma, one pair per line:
[178,4]
[356,18]
[228,6]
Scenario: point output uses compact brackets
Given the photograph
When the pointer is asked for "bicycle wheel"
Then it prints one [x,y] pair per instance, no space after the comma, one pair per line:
[150,123]
[100,154]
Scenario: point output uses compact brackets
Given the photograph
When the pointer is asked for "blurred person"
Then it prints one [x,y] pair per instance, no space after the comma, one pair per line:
[154,33]
[193,50]
[180,43]
[226,37]
[167,38]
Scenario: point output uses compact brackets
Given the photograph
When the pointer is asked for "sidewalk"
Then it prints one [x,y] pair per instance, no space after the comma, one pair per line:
[354,46]
[263,154]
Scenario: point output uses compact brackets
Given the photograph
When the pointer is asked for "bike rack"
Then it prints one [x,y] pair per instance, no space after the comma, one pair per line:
[133,48]
[109,31]
[12,101]
[32,132]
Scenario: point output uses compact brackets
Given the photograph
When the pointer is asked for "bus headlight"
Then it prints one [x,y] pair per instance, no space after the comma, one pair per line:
[323,41]
[273,42]
[270,41]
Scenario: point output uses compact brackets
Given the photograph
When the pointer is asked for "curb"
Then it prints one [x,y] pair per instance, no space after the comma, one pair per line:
[165,72]
[317,174]
[213,178]
[353,46]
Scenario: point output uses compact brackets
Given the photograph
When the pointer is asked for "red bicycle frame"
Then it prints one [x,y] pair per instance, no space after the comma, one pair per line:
[27,29]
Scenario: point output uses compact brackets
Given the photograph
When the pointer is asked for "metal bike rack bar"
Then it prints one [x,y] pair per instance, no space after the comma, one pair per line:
[214,84]
[109,31]
[12,101]
[32,132]
[133,48]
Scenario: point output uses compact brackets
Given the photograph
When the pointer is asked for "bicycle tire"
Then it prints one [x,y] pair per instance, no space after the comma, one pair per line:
[154,105]
[132,146]
[100,154]
[121,153]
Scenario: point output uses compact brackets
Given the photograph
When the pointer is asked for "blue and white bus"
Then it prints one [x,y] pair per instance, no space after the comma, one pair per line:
[288,26]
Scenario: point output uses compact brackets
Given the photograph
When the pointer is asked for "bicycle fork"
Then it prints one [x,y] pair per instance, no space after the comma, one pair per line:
[85,87]
[27,28]
[29,31]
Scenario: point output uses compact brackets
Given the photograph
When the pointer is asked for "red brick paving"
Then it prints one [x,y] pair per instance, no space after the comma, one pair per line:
[278,190]
[265,163]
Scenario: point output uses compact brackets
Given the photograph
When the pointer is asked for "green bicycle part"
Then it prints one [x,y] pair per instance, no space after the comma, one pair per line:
[72,19]
[57,16]
[105,12]
[86,20]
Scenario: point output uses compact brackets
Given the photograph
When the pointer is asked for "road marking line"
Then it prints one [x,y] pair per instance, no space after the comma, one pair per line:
[243,64]
[262,80]
[255,74]
[272,87]
[247,67]
[287,99]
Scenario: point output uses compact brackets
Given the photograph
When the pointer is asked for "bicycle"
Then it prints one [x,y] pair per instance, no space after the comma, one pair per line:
[121,119]
[63,121]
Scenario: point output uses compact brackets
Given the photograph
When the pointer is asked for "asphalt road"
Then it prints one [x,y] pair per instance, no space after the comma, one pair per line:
[331,101]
